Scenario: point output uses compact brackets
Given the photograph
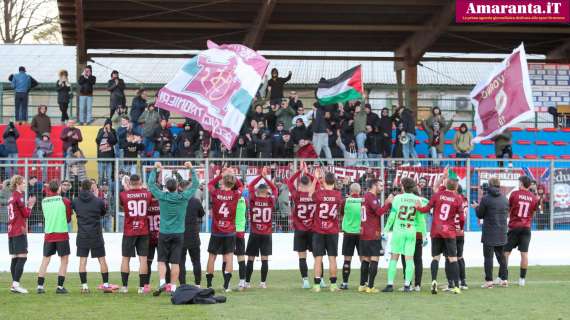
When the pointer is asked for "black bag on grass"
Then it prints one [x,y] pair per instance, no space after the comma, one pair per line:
[189,294]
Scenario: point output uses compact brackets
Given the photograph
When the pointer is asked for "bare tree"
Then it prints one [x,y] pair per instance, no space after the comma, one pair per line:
[23,17]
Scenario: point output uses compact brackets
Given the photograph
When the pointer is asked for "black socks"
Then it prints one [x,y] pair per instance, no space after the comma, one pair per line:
[303,267]
[264,270]
[372,274]
[345,271]
[124,278]
[364,270]
[434,266]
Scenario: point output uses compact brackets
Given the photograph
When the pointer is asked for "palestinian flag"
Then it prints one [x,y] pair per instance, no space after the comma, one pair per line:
[346,87]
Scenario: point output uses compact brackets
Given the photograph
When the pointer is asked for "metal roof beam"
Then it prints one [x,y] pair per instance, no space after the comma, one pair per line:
[416,45]
[257,30]
[80,32]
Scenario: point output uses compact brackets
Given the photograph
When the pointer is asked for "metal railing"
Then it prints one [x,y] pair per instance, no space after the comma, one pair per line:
[552,181]
[101,107]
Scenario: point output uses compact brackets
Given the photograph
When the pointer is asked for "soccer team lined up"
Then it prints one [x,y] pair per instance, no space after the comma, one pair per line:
[165,219]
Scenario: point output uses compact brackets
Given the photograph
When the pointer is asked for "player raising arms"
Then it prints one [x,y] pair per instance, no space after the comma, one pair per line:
[402,221]
[261,205]
[173,206]
[351,220]
[222,239]
[328,202]
[18,214]
[153,216]
[446,204]
[302,216]
[523,204]
[369,243]
[135,202]
[57,214]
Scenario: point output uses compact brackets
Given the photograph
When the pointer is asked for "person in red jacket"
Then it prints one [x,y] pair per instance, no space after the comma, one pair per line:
[18,214]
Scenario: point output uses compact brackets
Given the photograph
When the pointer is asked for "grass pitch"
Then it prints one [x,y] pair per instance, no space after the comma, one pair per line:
[545,297]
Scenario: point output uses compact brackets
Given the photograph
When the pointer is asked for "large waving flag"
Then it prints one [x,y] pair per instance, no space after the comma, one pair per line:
[504,98]
[346,87]
[216,88]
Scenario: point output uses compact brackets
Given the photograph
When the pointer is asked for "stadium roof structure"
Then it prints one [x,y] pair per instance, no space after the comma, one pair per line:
[408,27]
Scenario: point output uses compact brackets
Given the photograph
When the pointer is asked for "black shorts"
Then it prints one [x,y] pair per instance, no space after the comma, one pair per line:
[61,247]
[170,247]
[325,244]
[18,245]
[447,246]
[349,242]
[258,244]
[370,248]
[520,238]
[221,245]
[460,240]
[240,246]
[302,241]
[132,243]
[98,252]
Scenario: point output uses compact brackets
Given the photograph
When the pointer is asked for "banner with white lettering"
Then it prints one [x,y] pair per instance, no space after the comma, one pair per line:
[216,88]
[561,194]
[504,98]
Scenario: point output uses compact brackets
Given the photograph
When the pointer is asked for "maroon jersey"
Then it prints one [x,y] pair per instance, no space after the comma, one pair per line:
[18,215]
[522,205]
[329,203]
[370,223]
[224,204]
[303,210]
[446,204]
[153,218]
[460,217]
[135,203]
[261,208]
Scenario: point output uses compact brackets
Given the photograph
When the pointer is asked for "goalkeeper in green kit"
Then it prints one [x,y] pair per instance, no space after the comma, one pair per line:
[402,222]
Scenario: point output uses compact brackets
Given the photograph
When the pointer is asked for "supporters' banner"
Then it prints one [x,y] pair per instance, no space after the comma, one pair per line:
[504,98]
[561,194]
[216,88]
[430,174]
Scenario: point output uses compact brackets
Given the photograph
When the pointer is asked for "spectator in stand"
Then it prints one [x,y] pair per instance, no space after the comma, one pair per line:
[306,150]
[243,148]
[320,135]
[35,189]
[44,149]
[124,126]
[385,123]
[543,209]
[71,136]
[409,123]
[86,83]
[138,106]
[349,154]
[371,117]
[187,142]
[462,142]
[264,145]
[275,85]
[63,94]
[436,127]
[22,83]
[285,149]
[120,112]
[373,145]
[116,86]
[360,120]
[131,147]
[300,132]
[503,146]
[163,139]
[294,102]
[258,114]
[399,124]
[5,195]
[75,164]
[41,123]
[271,118]
[150,122]
[11,136]
[106,141]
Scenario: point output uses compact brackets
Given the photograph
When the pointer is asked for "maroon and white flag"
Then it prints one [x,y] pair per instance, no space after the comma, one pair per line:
[504,98]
